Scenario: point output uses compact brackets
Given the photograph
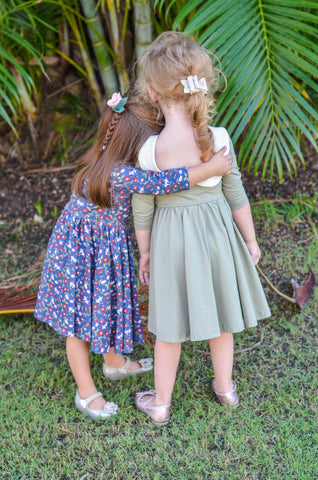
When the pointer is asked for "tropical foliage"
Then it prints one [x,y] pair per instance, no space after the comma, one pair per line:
[16,53]
[267,50]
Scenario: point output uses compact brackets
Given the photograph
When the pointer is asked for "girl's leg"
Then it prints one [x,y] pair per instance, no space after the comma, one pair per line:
[167,357]
[78,358]
[117,360]
[222,353]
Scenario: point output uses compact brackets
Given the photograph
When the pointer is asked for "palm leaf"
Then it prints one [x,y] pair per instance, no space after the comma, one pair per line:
[268,51]
[23,28]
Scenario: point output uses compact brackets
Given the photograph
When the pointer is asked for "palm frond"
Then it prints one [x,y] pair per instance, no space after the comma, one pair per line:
[21,51]
[268,51]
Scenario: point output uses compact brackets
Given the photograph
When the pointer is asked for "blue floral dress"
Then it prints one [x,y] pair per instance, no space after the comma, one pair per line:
[87,287]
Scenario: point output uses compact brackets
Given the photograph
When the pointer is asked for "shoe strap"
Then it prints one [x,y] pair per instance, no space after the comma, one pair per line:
[125,367]
[91,397]
[152,395]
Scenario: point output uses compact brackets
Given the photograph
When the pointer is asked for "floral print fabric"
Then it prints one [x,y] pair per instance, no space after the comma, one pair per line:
[87,286]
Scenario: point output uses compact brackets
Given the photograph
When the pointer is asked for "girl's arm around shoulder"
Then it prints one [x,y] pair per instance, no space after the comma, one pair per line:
[132,179]
[143,205]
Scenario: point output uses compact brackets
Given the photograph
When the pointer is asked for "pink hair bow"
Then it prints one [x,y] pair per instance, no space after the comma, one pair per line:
[192,84]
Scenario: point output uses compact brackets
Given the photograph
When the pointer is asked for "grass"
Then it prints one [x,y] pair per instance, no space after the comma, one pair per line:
[271,435]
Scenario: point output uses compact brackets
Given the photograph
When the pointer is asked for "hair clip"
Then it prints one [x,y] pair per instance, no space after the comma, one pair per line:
[117,103]
[192,84]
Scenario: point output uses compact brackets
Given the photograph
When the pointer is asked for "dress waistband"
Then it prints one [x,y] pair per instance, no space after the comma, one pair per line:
[195,196]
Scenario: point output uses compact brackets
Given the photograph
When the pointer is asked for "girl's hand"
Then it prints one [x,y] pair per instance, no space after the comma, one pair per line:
[144,268]
[218,166]
[254,250]
[221,163]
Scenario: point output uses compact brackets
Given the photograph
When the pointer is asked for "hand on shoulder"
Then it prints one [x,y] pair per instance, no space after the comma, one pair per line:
[221,164]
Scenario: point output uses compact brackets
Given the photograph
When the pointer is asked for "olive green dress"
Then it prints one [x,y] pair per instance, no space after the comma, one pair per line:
[202,278]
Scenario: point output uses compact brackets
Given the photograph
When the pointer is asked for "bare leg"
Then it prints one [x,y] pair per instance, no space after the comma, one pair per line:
[78,358]
[167,357]
[222,352]
[116,360]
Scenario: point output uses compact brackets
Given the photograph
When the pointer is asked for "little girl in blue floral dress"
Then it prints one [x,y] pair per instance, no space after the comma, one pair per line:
[87,290]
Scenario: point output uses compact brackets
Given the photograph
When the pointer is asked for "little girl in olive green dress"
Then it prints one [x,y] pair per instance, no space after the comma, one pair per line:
[203,284]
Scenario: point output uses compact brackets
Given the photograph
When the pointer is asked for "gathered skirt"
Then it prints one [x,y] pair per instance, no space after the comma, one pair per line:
[88,287]
[202,277]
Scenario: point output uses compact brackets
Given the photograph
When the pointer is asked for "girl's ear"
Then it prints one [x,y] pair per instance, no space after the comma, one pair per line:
[152,94]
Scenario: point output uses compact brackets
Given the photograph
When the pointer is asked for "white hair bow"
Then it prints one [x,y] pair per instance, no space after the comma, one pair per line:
[192,84]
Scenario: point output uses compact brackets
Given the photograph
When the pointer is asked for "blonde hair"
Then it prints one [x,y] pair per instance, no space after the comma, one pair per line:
[170,59]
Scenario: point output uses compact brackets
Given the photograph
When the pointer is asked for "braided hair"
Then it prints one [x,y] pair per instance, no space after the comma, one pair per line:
[120,137]
[170,59]
[110,129]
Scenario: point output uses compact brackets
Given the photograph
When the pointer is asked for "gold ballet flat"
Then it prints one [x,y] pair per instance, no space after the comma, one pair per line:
[227,398]
[159,414]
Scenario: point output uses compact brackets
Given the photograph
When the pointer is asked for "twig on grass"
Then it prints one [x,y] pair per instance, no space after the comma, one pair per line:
[256,345]
[65,430]
[269,283]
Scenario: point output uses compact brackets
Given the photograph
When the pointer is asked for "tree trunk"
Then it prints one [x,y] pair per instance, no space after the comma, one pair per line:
[118,46]
[97,37]
[143,25]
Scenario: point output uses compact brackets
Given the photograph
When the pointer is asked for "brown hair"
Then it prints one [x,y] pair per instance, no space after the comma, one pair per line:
[170,59]
[120,137]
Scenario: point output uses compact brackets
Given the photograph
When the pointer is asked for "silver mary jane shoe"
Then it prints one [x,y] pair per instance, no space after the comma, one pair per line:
[227,398]
[115,374]
[82,405]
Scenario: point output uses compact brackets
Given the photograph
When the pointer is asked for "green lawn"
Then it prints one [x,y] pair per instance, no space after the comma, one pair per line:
[271,435]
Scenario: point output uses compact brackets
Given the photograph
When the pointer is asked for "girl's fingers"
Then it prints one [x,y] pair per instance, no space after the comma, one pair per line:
[144,277]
